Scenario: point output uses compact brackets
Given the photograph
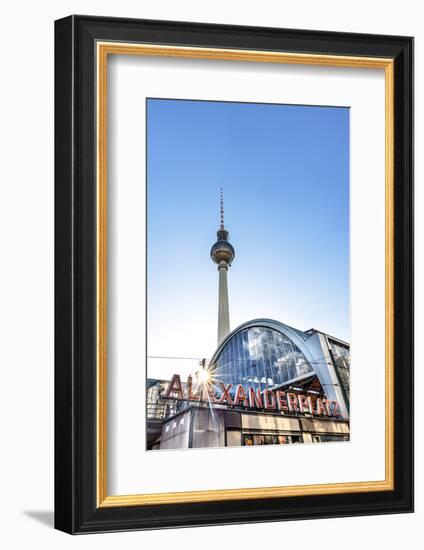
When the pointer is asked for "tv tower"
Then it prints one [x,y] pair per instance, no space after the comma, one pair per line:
[222,253]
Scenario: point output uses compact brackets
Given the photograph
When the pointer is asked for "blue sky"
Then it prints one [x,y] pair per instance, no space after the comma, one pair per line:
[285,174]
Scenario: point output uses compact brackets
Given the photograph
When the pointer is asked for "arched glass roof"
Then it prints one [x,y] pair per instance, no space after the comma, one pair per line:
[262,354]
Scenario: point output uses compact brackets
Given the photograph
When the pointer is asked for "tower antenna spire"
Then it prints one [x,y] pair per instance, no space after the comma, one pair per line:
[222,209]
[222,253]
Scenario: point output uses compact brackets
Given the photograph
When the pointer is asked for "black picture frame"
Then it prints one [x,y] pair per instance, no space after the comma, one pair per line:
[76,508]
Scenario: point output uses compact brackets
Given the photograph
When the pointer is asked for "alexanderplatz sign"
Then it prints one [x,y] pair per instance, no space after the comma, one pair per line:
[270,400]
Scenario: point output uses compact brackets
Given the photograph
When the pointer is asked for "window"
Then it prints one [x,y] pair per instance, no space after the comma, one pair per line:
[271,439]
[341,354]
[264,355]
[323,438]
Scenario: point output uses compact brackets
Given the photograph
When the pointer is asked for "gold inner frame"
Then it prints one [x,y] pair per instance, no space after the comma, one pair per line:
[104,49]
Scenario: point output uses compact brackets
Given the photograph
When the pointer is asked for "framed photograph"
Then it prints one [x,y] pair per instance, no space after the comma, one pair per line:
[234,274]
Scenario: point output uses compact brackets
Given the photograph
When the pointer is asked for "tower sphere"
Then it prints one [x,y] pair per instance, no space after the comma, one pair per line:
[222,251]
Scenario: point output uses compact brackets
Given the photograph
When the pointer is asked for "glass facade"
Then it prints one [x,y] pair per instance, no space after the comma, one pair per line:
[260,357]
[341,355]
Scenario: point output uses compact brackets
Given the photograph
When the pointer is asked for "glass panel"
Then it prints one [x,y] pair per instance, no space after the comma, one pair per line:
[260,357]
[341,354]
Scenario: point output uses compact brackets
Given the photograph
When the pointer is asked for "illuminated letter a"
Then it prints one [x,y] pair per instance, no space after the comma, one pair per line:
[174,387]
[240,396]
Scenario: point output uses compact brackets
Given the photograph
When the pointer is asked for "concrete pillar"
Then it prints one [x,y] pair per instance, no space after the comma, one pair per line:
[223,307]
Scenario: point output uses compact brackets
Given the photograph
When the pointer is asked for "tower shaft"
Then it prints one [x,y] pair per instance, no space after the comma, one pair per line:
[222,253]
[223,307]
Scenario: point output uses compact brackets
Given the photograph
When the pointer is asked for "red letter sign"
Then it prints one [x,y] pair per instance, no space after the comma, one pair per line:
[175,387]
[225,395]
[240,396]
[255,399]
[269,399]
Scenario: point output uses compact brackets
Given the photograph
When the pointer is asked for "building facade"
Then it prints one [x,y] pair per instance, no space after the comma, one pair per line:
[198,427]
[268,354]
[279,383]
